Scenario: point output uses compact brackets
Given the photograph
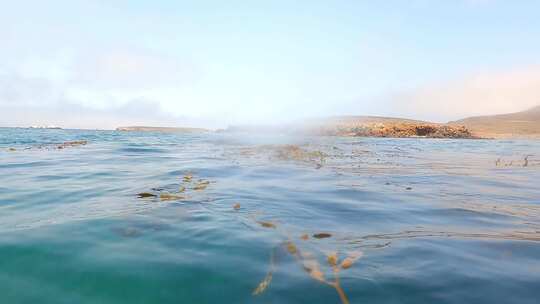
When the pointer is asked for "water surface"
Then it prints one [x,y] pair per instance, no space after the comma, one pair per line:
[436,221]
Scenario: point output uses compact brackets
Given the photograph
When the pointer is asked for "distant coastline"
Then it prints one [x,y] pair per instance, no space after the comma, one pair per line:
[519,125]
[161,129]
[45,127]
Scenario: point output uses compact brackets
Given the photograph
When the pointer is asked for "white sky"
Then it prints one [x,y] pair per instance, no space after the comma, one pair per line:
[101,64]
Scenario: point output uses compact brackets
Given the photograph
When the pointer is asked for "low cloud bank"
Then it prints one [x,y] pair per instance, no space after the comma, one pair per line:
[487,93]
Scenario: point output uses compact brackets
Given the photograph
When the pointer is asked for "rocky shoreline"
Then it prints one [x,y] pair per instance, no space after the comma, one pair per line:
[397,130]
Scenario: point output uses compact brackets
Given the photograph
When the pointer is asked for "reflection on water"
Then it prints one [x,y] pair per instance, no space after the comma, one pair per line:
[206,218]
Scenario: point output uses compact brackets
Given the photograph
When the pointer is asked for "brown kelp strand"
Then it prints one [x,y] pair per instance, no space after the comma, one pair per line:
[267,224]
[309,262]
[322,235]
[201,185]
[351,258]
[187,178]
[296,153]
[313,268]
[263,285]
[170,197]
[68,144]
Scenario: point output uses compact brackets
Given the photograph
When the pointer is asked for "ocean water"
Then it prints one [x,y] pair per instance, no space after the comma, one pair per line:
[238,218]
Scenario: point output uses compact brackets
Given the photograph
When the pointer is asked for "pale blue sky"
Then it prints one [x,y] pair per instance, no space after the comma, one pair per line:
[100,63]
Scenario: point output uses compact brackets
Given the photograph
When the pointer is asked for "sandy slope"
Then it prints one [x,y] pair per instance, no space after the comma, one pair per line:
[524,124]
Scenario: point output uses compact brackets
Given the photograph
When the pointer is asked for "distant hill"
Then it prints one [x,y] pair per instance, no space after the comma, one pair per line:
[160,129]
[520,124]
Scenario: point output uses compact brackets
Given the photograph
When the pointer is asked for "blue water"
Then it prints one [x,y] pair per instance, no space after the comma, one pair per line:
[435,221]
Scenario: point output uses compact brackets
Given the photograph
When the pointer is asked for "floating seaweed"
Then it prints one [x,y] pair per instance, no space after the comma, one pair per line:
[54,146]
[300,154]
[322,235]
[72,144]
[350,259]
[263,285]
[180,193]
[266,224]
[201,185]
[187,178]
[306,259]
[293,152]
[291,248]
[310,264]
[332,258]
[313,268]
[170,197]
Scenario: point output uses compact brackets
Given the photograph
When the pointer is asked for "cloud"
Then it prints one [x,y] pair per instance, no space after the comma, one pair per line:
[489,92]
[130,69]
[26,101]
[119,86]
[95,88]
[16,89]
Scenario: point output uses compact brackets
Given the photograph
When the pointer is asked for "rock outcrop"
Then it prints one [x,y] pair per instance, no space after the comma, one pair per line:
[388,127]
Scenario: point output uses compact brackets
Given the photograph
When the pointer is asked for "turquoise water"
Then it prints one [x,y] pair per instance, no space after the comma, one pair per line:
[435,221]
